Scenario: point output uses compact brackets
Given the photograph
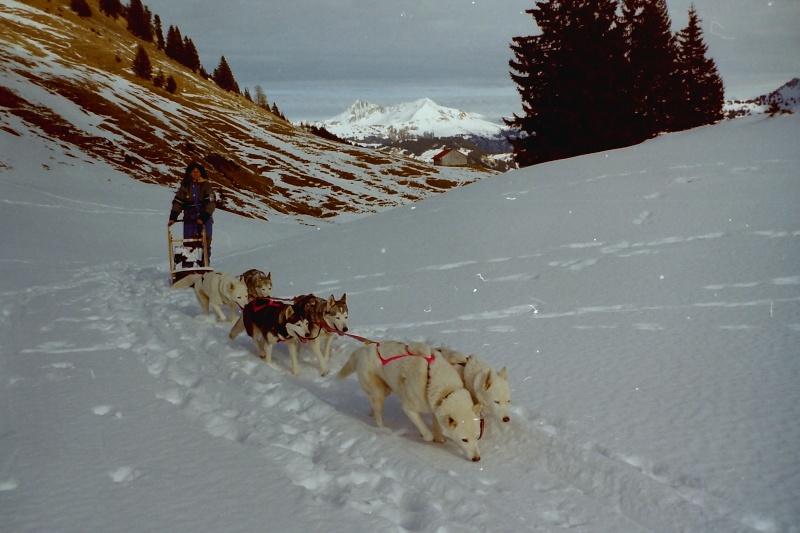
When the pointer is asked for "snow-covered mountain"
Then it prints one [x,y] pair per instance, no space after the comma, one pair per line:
[421,118]
[784,99]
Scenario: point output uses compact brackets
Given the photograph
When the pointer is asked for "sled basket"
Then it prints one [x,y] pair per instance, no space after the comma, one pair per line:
[187,256]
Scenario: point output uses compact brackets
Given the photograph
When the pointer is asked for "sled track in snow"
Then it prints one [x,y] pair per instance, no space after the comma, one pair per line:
[319,432]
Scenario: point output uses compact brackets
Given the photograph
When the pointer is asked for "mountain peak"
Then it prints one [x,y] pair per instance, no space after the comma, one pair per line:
[418,118]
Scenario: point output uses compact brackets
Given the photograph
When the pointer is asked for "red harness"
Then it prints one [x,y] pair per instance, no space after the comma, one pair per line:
[268,302]
[406,354]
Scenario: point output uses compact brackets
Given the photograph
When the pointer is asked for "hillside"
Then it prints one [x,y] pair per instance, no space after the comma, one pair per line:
[69,78]
[785,99]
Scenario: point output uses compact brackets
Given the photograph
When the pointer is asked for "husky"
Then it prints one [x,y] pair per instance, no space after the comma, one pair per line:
[488,387]
[425,382]
[269,322]
[325,318]
[259,285]
[216,289]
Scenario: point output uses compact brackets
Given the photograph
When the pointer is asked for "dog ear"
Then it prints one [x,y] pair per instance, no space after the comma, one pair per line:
[288,312]
[269,276]
[451,423]
[487,382]
[331,303]
[344,298]
[504,373]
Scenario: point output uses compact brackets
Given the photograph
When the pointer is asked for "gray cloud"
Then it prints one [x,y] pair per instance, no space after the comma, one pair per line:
[333,51]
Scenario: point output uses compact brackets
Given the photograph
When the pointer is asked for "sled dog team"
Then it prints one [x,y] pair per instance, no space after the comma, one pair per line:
[453,388]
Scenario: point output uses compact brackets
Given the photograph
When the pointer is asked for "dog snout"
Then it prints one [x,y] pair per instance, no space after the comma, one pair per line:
[506,418]
[476,458]
[344,329]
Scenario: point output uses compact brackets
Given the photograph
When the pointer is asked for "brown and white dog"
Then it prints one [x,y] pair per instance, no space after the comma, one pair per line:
[325,318]
[259,285]
[269,322]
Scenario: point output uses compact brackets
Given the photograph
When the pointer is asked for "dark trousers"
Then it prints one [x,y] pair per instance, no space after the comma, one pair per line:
[193,230]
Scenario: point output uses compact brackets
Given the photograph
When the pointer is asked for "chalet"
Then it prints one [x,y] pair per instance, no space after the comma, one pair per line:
[450,158]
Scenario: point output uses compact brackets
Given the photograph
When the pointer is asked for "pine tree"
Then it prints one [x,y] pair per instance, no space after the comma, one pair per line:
[223,76]
[174,44]
[159,32]
[172,85]
[141,64]
[159,80]
[191,59]
[703,93]
[652,57]
[572,81]
[81,7]
[112,8]
[139,21]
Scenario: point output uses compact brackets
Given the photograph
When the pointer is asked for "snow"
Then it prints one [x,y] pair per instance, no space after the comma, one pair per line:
[646,302]
[420,117]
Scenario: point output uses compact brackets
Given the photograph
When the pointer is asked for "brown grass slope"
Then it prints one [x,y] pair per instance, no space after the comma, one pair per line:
[69,78]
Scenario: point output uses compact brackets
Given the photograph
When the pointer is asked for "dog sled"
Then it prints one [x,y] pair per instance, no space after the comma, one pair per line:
[187,256]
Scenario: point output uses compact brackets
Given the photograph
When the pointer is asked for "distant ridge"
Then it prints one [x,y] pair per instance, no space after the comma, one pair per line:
[420,118]
[784,99]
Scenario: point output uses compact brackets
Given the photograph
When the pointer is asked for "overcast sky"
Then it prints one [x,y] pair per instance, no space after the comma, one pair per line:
[314,58]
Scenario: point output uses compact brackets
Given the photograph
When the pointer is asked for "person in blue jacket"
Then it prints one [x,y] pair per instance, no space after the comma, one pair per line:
[197,201]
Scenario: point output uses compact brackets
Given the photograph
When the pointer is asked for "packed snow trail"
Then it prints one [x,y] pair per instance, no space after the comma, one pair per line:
[316,429]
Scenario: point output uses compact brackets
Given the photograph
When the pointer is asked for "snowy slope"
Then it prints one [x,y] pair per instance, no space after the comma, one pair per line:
[424,116]
[69,78]
[645,301]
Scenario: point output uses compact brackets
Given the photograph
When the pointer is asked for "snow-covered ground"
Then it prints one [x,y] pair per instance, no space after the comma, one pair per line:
[645,301]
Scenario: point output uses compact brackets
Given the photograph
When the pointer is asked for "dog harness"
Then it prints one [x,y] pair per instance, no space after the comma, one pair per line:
[406,354]
[261,303]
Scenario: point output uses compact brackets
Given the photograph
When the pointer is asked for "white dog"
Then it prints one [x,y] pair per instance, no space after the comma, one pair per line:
[488,387]
[425,383]
[216,289]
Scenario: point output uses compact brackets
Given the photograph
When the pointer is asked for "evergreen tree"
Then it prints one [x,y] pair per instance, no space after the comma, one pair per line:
[247,95]
[703,93]
[159,80]
[174,44]
[191,59]
[572,81]
[112,8]
[223,76]
[159,32]
[139,21]
[141,64]
[652,57]
[172,85]
[81,7]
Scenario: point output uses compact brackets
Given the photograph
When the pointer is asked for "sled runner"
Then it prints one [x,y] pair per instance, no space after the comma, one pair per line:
[187,256]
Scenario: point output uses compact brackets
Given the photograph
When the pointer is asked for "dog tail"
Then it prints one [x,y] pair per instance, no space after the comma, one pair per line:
[349,367]
[186,282]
